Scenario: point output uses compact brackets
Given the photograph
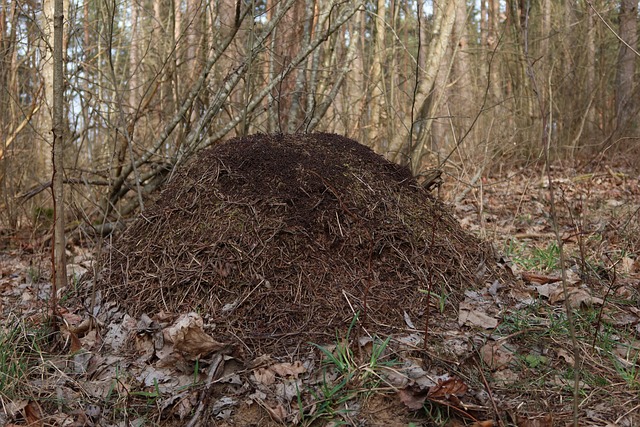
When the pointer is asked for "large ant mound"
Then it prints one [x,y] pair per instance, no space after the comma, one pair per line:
[280,239]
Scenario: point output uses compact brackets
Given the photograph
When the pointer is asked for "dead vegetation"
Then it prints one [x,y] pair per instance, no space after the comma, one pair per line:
[281,240]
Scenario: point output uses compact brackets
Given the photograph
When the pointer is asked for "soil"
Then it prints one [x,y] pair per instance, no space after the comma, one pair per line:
[281,240]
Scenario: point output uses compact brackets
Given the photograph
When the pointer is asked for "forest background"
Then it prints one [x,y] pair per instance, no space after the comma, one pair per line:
[467,86]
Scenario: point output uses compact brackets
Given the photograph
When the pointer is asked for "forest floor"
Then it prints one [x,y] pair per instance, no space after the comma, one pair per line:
[507,361]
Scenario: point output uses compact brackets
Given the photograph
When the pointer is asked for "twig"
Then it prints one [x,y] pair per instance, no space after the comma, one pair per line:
[614,32]
[215,366]
[546,142]
[493,402]
[604,302]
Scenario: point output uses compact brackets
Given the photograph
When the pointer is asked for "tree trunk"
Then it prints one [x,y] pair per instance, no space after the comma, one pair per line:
[294,122]
[57,180]
[590,81]
[462,99]
[42,147]
[492,47]
[376,122]
[626,65]
[443,26]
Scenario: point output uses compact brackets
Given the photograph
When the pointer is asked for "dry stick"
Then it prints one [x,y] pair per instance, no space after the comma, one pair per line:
[57,153]
[216,364]
[546,141]
[604,301]
[493,402]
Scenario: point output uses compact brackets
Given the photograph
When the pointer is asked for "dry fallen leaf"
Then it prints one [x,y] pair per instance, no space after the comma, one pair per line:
[90,339]
[539,278]
[446,391]
[447,388]
[144,346]
[184,407]
[496,355]
[264,376]
[474,317]
[188,337]
[411,398]
[544,421]
[76,345]
[547,289]
[33,415]
[288,369]
[278,413]
[581,298]
[566,356]
[260,361]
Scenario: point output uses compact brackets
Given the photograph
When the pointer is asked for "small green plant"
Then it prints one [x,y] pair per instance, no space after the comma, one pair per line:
[353,378]
[196,371]
[329,400]
[34,273]
[533,258]
[342,357]
[547,259]
[629,371]
[151,396]
[14,362]
[21,353]
[534,361]
[439,414]
[440,298]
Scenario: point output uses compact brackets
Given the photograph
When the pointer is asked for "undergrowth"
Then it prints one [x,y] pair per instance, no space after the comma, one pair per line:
[23,352]
[345,377]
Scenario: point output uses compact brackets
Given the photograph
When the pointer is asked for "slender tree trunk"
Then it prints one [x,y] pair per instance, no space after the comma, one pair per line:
[445,13]
[545,52]
[301,73]
[10,121]
[626,65]
[59,260]
[376,122]
[590,81]
[493,13]
[134,62]
[462,99]
[272,100]
[42,146]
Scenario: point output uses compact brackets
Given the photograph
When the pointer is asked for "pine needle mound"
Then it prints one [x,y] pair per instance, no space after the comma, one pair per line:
[279,239]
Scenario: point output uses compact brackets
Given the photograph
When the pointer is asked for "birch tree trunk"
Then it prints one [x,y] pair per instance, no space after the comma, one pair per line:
[42,143]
